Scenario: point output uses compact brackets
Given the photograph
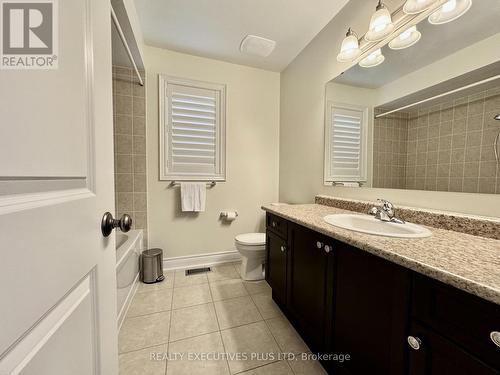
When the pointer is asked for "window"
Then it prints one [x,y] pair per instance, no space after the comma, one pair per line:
[192,130]
[345,143]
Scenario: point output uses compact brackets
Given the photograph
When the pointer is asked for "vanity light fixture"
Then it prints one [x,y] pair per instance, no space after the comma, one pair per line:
[417,6]
[450,11]
[350,47]
[373,59]
[380,24]
[406,39]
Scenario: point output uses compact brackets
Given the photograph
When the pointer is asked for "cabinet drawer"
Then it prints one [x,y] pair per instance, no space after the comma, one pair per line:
[276,224]
[436,355]
[466,319]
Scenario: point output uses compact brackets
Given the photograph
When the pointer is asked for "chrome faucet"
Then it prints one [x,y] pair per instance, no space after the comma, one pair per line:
[385,212]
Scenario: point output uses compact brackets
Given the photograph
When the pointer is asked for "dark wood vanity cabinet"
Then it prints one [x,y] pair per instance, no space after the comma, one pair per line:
[343,300]
[371,302]
[309,276]
[276,257]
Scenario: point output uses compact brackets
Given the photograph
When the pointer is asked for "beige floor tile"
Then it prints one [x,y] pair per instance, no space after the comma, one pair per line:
[150,361]
[182,280]
[143,331]
[168,283]
[255,341]
[285,335]
[302,366]
[257,287]
[223,272]
[189,364]
[276,368]
[227,289]
[150,302]
[191,296]
[193,321]
[266,306]
[236,312]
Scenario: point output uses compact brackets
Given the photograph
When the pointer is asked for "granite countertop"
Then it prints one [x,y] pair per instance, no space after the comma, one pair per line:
[467,262]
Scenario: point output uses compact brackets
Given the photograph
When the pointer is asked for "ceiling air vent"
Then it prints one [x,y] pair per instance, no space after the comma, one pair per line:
[257,46]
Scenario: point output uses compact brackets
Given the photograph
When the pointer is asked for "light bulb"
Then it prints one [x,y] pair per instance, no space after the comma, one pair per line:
[350,47]
[450,11]
[406,39]
[380,24]
[417,6]
[373,59]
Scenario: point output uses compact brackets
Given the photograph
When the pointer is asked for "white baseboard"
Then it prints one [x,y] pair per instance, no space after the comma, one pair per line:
[128,300]
[210,259]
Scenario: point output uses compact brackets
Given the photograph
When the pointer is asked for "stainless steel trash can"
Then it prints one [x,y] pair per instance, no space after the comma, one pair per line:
[152,266]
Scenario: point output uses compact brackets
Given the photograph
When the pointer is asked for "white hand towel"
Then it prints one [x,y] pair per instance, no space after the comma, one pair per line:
[193,196]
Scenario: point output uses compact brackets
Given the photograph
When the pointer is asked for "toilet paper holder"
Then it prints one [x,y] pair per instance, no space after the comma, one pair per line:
[225,214]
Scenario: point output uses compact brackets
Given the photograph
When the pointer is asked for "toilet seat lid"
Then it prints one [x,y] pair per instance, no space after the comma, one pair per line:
[254,239]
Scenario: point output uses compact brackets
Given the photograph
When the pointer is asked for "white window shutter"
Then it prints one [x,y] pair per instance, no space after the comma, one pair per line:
[193,130]
[345,151]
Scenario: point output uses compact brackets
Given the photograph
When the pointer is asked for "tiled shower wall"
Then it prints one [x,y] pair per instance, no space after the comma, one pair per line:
[390,142]
[129,104]
[449,147]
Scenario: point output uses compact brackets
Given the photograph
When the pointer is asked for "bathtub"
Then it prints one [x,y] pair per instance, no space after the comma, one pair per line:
[128,248]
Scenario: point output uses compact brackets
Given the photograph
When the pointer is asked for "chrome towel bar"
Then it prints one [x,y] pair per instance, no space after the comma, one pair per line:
[210,184]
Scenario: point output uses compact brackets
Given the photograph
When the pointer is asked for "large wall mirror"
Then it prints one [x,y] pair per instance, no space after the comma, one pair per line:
[426,117]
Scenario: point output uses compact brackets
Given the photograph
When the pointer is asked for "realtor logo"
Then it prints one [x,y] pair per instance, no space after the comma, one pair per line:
[29,34]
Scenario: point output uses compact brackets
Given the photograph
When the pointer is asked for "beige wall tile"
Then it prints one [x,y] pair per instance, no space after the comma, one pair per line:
[122,85]
[139,145]
[123,144]
[139,163]
[123,105]
[140,202]
[138,106]
[124,182]
[487,185]
[124,202]
[139,125]
[140,221]
[123,163]
[123,124]
[139,184]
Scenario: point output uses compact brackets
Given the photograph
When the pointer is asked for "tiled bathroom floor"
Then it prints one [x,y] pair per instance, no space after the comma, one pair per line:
[210,324]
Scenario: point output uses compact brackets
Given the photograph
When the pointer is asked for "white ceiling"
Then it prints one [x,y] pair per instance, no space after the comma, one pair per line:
[215,28]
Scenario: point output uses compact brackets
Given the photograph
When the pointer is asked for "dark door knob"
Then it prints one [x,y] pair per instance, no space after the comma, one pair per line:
[109,223]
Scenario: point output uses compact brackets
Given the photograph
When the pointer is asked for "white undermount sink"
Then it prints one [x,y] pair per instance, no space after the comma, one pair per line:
[370,225]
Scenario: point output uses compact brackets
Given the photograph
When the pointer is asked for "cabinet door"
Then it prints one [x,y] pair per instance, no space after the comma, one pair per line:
[306,289]
[371,308]
[438,356]
[276,266]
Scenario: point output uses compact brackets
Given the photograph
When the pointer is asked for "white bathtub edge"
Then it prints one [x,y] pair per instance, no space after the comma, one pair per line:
[128,300]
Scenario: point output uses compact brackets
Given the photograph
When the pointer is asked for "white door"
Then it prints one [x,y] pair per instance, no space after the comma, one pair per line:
[57,279]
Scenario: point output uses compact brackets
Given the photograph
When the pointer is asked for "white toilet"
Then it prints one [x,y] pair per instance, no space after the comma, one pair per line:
[252,247]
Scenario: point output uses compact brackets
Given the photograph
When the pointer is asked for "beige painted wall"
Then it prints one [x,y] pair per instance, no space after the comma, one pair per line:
[302,126]
[252,156]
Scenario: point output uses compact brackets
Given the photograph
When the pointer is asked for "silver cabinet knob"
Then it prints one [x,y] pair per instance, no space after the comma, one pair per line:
[319,244]
[414,342]
[273,224]
[495,337]
[108,223]
[283,248]
[328,248]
